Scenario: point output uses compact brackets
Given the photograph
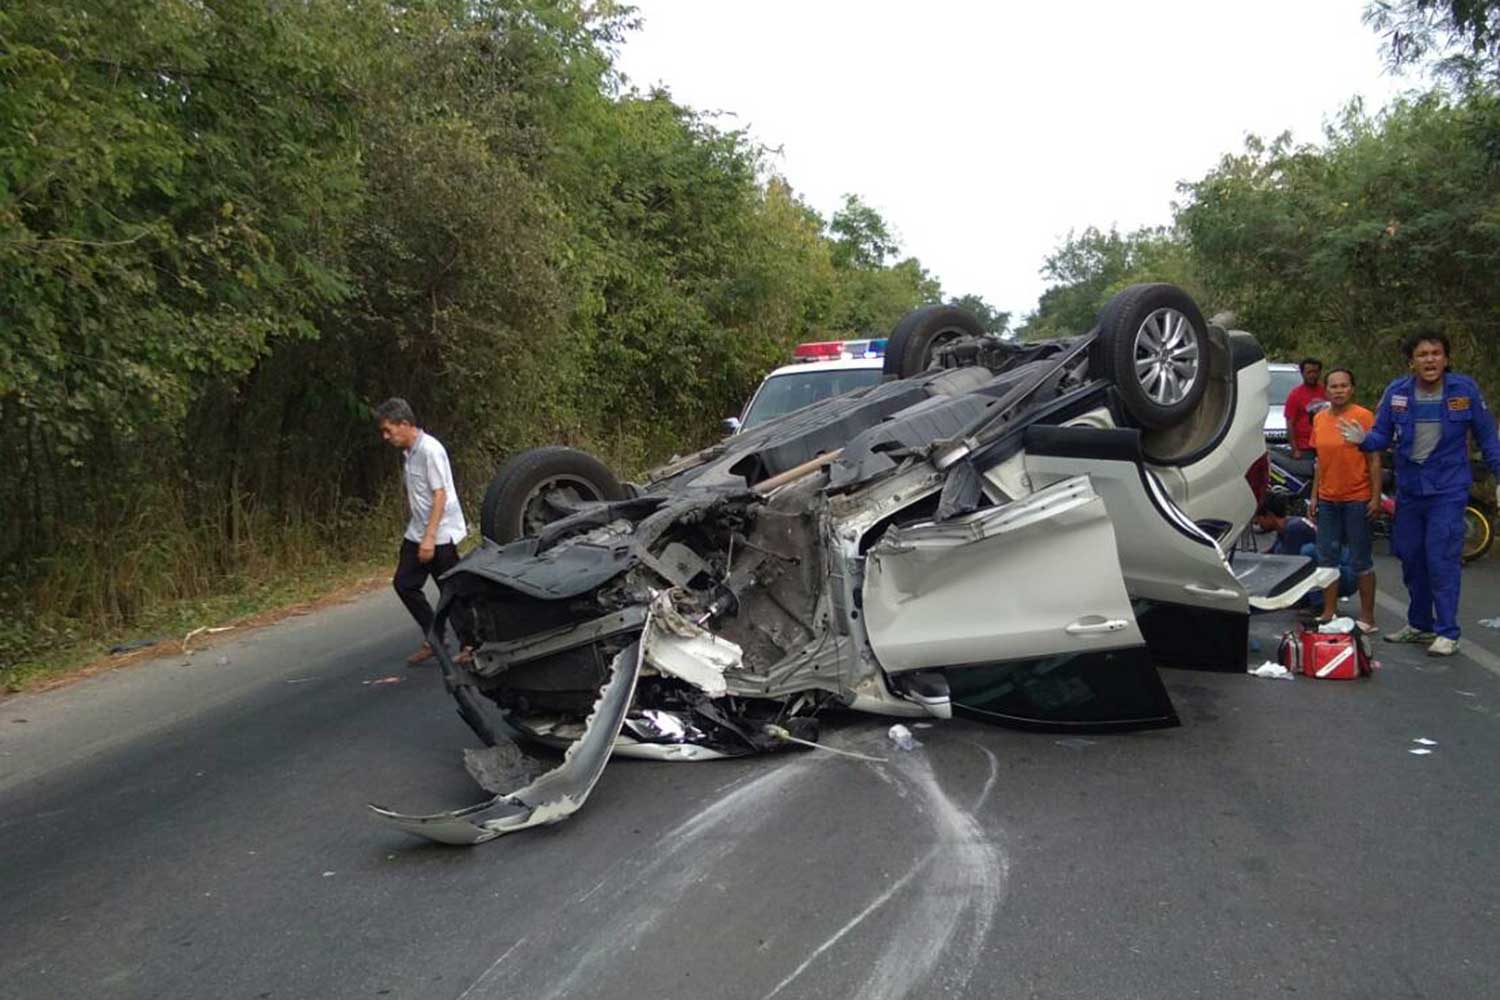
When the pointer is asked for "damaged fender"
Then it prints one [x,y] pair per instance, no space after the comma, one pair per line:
[555,795]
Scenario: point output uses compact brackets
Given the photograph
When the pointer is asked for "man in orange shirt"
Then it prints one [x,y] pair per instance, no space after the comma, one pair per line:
[1345,494]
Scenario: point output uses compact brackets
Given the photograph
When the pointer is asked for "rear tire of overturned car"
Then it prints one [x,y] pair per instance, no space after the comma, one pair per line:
[537,486]
[1153,345]
[909,349]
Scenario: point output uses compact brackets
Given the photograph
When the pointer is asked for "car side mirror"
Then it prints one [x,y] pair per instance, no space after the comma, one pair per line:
[731,425]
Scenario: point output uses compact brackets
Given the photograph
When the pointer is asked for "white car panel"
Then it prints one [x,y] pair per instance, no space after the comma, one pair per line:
[934,593]
[1163,556]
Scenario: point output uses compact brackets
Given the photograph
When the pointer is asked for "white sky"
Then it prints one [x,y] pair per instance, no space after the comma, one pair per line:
[983,132]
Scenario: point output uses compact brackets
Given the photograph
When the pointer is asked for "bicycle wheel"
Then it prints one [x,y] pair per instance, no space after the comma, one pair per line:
[1478,533]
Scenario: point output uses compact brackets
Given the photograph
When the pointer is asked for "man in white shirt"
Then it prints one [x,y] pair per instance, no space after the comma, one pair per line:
[436,524]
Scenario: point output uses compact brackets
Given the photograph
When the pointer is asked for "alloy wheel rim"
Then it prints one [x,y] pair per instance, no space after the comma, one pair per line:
[1166,356]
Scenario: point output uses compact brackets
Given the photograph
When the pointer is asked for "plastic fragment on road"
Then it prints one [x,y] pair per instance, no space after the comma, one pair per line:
[1337,626]
[555,795]
[1270,668]
[393,679]
[1490,622]
[1419,751]
[1424,741]
[1074,742]
[902,737]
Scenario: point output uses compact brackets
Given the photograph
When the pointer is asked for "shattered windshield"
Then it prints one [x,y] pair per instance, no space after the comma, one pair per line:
[781,394]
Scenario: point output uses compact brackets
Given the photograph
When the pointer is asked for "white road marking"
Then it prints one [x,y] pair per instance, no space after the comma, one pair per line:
[1467,648]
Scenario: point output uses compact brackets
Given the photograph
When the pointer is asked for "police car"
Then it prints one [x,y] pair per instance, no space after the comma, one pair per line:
[822,370]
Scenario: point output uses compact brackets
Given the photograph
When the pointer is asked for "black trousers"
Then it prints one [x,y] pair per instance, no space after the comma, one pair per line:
[411,576]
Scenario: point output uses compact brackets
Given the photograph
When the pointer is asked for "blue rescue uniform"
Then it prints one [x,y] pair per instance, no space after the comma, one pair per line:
[1428,536]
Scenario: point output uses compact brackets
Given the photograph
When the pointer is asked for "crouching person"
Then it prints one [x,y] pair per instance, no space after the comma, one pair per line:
[1297,536]
[436,522]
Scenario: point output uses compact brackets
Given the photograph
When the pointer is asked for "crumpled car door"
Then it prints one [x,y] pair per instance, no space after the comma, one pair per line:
[1035,577]
[1023,610]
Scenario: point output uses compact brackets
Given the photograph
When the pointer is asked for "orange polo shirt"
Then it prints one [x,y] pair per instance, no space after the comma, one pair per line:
[1343,470]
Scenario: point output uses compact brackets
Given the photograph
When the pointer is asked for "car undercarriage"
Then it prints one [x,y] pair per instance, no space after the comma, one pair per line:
[1020,532]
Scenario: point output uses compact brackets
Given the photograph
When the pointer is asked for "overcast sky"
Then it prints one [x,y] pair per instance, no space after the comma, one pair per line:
[984,132]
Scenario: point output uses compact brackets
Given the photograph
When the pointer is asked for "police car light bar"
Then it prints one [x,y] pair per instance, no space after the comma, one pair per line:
[822,349]
[829,350]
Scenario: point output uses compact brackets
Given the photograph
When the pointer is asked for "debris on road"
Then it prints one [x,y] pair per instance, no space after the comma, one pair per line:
[502,766]
[1419,751]
[555,795]
[1424,741]
[202,630]
[1337,626]
[783,734]
[1490,622]
[1270,668]
[131,646]
[902,737]
[384,680]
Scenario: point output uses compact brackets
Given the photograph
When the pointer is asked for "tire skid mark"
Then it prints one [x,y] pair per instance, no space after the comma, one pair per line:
[679,859]
[955,904]
[944,904]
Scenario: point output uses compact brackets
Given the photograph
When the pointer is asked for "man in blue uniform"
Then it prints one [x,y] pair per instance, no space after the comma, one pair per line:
[1429,416]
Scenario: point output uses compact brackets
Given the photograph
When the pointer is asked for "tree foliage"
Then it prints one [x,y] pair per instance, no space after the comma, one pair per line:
[1459,40]
[1393,223]
[1340,248]
[1091,266]
[227,228]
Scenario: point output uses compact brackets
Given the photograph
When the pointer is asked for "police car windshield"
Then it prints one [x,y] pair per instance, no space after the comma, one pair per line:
[782,394]
[1282,383]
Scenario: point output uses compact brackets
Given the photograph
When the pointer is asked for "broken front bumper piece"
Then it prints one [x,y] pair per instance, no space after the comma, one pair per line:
[555,795]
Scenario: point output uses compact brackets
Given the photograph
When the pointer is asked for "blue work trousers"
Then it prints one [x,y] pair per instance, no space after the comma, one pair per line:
[1428,538]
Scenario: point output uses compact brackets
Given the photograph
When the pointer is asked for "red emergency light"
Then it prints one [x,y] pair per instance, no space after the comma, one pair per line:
[821,349]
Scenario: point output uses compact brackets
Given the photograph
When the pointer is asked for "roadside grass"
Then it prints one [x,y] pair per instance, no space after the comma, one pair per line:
[83,651]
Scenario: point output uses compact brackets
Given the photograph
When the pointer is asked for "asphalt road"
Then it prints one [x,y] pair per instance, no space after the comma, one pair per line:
[199,830]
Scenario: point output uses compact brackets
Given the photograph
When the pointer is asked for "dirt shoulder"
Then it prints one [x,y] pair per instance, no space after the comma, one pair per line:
[192,628]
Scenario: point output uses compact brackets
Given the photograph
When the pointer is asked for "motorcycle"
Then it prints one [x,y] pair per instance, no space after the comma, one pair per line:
[1293,478]
[1479,519]
[1290,477]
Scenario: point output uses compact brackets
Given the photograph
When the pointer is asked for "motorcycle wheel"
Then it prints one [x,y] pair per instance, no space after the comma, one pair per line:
[1479,533]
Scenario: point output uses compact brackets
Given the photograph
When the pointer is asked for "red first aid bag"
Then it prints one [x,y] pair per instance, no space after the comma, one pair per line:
[1329,657]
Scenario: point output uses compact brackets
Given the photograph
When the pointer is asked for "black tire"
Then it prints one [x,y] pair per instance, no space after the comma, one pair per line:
[1161,327]
[1479,533]
[908,350]
[516,504]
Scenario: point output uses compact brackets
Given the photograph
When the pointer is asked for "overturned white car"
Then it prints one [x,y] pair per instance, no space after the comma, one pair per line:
[1019,532]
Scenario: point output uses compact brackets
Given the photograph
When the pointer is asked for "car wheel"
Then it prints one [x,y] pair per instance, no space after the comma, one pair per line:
[909,349]
[1153,345]
[542,485]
